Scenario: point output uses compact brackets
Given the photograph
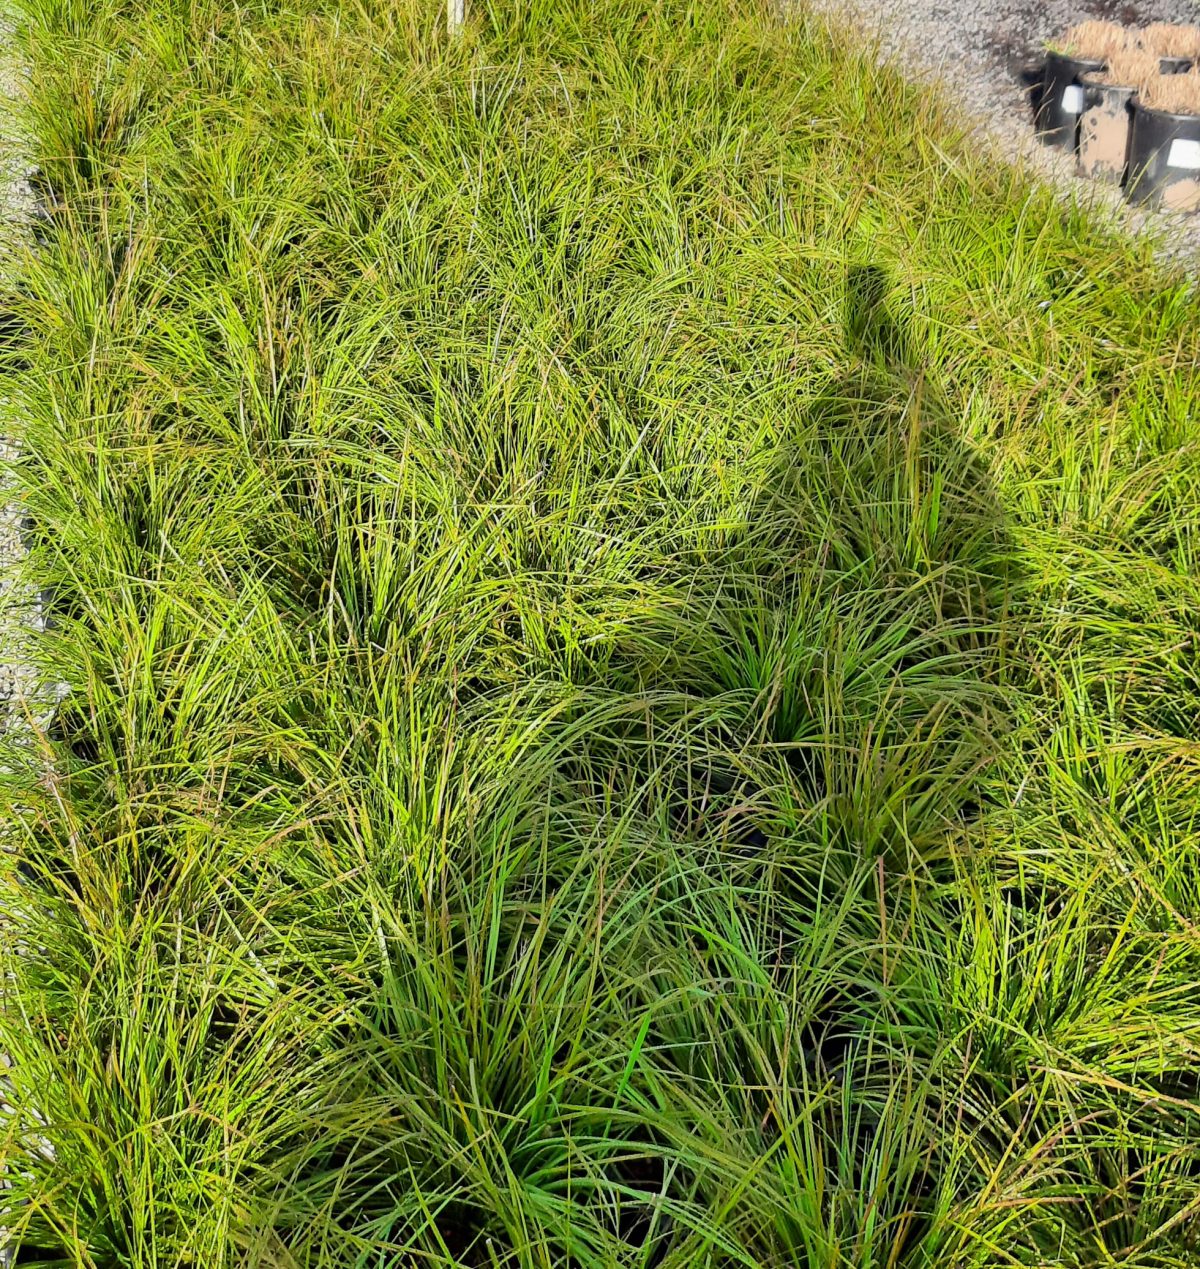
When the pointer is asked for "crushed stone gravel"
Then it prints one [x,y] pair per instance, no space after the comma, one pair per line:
[24,702]
[17,608]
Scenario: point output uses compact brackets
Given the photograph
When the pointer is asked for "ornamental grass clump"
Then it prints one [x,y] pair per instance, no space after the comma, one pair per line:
[1170,39]
[1093,39]
[1175,94]
[1130,68]
[627,609]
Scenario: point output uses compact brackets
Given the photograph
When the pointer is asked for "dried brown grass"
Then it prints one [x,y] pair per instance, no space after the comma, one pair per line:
[1170,39]
[1130,68]
[1095,38]
[1178,94]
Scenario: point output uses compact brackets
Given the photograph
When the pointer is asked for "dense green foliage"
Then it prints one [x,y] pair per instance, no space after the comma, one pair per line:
[630,608]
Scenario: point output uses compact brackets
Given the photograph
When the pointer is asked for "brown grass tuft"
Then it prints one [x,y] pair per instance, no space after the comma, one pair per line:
[1095,39]
[1170,39]
[1129,69]
[1178,94]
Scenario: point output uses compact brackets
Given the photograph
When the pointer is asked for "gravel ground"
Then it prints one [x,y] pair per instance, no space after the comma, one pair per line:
[977,49]
[17,608]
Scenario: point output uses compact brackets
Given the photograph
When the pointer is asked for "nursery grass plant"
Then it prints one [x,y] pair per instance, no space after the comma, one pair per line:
[628,606]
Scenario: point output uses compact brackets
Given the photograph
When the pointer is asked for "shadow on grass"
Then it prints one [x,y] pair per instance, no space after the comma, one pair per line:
[823,721]
[839,714]
[861,615]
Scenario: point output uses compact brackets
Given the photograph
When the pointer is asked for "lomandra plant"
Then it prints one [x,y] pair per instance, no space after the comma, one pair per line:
[627,611]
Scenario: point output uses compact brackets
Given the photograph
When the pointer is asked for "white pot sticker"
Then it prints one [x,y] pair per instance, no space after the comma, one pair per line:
[1184,153]
[1072,99]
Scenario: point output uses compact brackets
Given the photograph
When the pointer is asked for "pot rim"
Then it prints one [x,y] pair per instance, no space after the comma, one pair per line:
[1081,64]
[1174,115]
[1088,82]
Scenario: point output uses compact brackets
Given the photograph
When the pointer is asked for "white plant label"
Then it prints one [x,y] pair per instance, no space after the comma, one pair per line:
[1184,153]
[1072,99]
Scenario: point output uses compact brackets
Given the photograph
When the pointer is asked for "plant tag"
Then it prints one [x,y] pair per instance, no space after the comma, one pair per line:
[1072,99]
[1184,152]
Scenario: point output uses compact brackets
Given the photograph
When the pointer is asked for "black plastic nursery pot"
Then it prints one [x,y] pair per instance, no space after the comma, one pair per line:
[1057,118]
[1164,159]
[1104,130]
